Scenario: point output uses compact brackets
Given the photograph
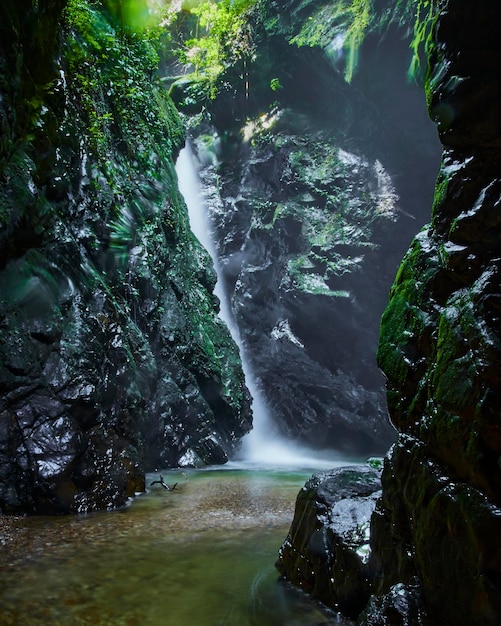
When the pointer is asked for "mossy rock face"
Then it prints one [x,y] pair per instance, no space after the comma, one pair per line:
[464,96]
[298,220]
[440,348]
[113,359]
[430,530]
[312,204]
[189,94]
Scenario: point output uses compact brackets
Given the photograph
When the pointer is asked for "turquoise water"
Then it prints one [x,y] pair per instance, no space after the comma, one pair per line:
[201,555]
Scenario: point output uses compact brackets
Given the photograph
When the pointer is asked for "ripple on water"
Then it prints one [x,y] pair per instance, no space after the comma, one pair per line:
[201,555]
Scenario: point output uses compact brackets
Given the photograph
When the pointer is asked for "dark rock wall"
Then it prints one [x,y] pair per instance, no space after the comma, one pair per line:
[315,191]
[435,533]
[440,515]
[326,552]
[112,357]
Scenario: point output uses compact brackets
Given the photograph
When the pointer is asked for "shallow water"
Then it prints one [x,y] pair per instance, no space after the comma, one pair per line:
[201,555]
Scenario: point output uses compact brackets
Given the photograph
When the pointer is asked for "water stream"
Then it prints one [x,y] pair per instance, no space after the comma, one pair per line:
[201,555]
[254,444]
[263,446]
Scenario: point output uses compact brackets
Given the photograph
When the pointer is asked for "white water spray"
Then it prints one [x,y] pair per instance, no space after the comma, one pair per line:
[263,446]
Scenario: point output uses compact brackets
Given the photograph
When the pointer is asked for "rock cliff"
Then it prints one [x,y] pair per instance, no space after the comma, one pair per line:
[113,359]
[315,188]
[441,346]
[435,531]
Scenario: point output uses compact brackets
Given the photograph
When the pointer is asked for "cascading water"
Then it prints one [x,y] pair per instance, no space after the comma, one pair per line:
[263,445]
[189,186]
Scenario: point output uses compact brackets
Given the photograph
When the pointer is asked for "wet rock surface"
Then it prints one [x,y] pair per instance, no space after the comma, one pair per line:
[443,533]
[113,359]
[313,199]
[326,552]
[435,555]
[401,606]
[440,348]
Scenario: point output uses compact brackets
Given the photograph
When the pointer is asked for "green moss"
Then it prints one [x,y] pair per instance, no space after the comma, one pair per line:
[116,88]
[462,349]
[451,376]
[405,324]
[342,25]
[223,38]
[346,21]
[361,14]
[422,41]
[441,191]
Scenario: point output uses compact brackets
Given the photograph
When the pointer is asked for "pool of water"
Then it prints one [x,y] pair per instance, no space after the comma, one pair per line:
[200,555]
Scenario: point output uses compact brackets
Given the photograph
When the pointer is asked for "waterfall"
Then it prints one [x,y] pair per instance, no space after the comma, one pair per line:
[263,445]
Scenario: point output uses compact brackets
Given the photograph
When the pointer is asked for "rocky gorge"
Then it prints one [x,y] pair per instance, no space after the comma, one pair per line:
[318,163]
[313,196]
[434,530]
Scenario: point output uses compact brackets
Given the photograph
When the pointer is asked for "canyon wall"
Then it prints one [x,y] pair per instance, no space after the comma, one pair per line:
[440,346]
[315,187]
[113,359]
[435,547]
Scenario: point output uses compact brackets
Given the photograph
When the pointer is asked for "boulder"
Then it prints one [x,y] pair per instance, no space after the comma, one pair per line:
[326,552]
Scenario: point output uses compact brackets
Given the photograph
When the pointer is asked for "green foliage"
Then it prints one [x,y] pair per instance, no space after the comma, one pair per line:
[114,81]
[361,13]
[28,43]
[349,22]
[375,462]
[422,41]
[133,15]
[275,84]
[225,40]
[128,130]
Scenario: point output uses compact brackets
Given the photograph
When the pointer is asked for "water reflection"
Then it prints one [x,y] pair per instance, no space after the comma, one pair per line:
[201,555]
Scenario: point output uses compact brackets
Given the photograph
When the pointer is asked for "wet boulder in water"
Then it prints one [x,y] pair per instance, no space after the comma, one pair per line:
[327,549]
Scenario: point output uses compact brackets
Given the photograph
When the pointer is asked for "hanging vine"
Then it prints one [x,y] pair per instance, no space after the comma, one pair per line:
[349,22]
[224,41]
[361,14]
